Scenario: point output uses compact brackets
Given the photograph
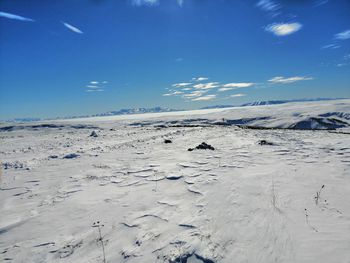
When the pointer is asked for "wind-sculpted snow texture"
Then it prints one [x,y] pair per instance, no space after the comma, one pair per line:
[246,201]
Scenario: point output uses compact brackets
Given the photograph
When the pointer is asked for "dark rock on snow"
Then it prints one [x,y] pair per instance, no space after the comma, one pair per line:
[93,134]
[71,156]
[264,142]
[202,146]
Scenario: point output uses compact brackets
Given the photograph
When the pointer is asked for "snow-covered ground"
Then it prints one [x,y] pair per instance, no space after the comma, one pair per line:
[158,202]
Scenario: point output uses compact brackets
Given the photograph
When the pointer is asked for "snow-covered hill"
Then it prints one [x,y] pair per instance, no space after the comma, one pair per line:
[324,115]
[269,102]
[263,195]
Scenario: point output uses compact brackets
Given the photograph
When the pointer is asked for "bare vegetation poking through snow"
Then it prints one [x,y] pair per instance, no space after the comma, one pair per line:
[99,226]
[318,195]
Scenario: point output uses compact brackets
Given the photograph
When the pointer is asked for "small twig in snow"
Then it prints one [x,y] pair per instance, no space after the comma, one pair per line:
[318,195]
[100,239]
[307,221]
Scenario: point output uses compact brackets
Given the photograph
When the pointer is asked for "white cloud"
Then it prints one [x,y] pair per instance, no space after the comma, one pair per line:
[200,79]
[94,90]
[237,95]
[96,86]
[174,93]
[283,80]
[321,2]
[153,2]
[268,5]
[238,85]
[186,88]
[205,98]
[342,64]
[343,35]
[345,61]
[145,2]
[331,46]
[180,2]
[233,86]
[15,17]
[72,28]
[283,29]
[209,85]
[225,89]
[180,85]
[196,93]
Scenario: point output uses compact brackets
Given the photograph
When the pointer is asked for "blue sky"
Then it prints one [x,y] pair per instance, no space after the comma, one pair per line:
[77,57]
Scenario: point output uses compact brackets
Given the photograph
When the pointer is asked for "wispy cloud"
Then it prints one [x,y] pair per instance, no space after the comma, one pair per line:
[145,2]
[72,28]
[205,98]
[238,95]
[271,7]
[225,89]
[321,2]
[199,90]
[342,64]
[174,93]
[200,79]
[343,35]
[209,85]
[283,29]
[96,86]
[15,17]
[331,46]
[196,93]
[283,80]
[94,90]
[268,5]
[345,61]
[180,85]
[180,2]
[153,2]
[179,59]
[238,85]
[337,39]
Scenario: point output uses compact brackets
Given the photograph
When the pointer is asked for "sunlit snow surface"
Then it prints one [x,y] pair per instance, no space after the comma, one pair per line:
[242,202]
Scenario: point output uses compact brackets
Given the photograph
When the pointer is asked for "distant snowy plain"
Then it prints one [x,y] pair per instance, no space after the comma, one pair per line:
[158,202]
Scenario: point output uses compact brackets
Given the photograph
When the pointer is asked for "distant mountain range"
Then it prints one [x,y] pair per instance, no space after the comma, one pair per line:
[124,112]
[160,109]
[136,111]
[25,119]
[109,113]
